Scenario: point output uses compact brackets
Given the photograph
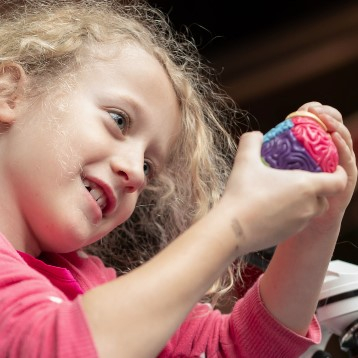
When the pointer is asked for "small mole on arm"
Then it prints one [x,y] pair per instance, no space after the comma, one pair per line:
[236,227]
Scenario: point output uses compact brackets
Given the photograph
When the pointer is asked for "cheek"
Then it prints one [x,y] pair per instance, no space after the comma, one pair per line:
[68,160]
[52,146]
[63,145]
[125,210]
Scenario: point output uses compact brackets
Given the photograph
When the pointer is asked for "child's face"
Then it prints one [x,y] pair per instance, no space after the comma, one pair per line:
[62,156]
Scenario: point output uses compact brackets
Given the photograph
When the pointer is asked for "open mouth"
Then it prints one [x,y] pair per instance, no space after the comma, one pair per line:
[97,193]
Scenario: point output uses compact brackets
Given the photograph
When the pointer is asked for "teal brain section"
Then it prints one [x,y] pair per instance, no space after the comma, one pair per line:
[277,130]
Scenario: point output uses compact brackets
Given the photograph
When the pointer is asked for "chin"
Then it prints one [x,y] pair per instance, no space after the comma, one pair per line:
[64,241]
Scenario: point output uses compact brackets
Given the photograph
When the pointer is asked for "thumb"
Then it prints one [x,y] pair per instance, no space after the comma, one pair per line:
[250,146]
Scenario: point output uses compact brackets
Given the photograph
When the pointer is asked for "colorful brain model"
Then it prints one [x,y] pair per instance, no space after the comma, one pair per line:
[300,142]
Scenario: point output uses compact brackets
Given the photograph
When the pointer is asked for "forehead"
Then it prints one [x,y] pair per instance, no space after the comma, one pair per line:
[128,60]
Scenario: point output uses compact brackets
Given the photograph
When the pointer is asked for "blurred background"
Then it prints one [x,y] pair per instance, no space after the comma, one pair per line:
[272,57]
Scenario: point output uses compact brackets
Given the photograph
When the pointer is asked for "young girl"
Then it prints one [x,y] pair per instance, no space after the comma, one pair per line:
[110,130]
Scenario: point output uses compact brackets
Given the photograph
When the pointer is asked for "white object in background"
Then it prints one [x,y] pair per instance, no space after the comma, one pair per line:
[338,302]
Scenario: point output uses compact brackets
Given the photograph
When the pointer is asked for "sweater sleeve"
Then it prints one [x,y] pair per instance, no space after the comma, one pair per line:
[249,331]
[36,318]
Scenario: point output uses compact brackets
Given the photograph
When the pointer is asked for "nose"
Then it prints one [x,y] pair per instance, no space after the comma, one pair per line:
[129,168]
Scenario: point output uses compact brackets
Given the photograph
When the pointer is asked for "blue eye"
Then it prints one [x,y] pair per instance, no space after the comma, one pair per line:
[147,169]
[121,120]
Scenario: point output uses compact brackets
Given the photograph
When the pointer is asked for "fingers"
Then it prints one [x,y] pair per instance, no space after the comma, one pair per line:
[324,110]
[306,106]
[321,110]
[347,157]
[333,120]
[328,184]
[335,127]
[344,144]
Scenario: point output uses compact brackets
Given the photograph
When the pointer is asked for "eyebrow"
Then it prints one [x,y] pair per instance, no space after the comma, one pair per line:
[131,103]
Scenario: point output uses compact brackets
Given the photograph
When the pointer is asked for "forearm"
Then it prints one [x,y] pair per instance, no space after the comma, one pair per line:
[292,282]
[149,304]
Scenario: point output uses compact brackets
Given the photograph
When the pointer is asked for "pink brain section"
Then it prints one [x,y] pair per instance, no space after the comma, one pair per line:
[317,142]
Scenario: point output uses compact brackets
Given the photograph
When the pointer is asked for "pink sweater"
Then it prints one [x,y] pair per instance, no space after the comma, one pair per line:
[41,315]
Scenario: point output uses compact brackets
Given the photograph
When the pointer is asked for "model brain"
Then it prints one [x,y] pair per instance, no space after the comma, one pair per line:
[300,142]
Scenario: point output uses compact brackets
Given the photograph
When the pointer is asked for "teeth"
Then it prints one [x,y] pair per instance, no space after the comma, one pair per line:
[102,202]
[87,183]
[96,192]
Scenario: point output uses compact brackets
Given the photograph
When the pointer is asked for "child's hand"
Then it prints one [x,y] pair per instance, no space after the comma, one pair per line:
[337,203]
[270,205]
[291,284]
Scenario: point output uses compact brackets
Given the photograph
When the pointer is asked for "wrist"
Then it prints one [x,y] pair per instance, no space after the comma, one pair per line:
[226,222]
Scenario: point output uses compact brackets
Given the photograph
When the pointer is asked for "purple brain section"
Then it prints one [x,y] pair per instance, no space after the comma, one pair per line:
[285,152]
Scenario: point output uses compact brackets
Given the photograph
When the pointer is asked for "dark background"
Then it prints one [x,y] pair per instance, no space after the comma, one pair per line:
[272,57]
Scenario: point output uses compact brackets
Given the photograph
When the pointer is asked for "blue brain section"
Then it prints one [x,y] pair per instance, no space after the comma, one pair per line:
[277,130]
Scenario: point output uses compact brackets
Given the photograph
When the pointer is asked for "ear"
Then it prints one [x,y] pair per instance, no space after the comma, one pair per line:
[12,82]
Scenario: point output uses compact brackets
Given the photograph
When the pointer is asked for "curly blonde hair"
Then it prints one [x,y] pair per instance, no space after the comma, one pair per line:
[48,38]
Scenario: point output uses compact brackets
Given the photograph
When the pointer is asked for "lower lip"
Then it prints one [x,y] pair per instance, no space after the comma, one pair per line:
[94,208]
